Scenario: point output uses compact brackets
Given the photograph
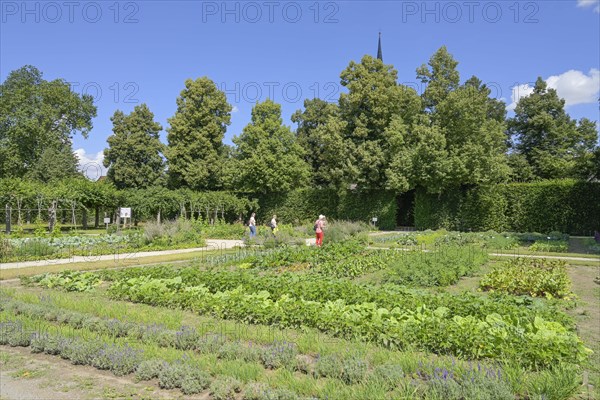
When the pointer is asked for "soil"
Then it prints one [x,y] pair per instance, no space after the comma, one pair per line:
[27,376]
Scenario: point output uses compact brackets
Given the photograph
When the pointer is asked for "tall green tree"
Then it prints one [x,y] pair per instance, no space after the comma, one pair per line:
[441,77]
[554,144]
[38,120]
[373,100]
[475,137]
[134,153]
[195,136]
[319,133]
[268,157]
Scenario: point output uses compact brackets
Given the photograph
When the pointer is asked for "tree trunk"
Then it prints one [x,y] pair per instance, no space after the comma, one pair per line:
[84,218]
[97,219]
[118,218]
[52,216]
[7,219]
[158,217]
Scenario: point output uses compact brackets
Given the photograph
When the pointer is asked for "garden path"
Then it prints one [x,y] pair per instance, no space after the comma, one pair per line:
[211,245]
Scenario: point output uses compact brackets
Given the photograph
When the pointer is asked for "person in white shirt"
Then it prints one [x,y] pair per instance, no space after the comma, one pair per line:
[274,224]
[252,225]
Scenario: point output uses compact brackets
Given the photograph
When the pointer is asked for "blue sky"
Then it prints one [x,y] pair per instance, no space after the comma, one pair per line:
[130,52]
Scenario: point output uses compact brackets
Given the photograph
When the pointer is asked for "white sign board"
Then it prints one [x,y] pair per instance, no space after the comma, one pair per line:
[107,220]
[374,219]
[126,212]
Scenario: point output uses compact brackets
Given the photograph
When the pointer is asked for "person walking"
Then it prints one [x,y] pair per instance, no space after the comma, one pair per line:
[252,225]
[319,226]
[274,224]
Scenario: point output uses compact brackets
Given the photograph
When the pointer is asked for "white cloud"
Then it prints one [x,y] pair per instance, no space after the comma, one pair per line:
[576,87]
[519,92]
[235,109]
[589,3]
[91,164]
[573,86]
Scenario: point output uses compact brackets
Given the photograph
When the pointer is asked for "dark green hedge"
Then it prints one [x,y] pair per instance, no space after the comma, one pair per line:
[304,205]
[564,205]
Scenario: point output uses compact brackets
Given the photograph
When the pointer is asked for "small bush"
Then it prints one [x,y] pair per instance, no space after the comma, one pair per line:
[171,376]
[259,391]
[38,342]
[19,338]
[209,344]
[120,360]
[186,338]
[225,388]
[194,380]
[354,370]
[329,366]
[149,369]
[279,355]
[388,374]
[81,352]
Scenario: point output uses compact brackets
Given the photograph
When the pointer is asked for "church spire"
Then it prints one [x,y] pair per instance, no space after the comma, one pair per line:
[379,55]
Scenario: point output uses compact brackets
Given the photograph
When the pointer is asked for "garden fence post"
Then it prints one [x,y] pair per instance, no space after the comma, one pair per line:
[7,219]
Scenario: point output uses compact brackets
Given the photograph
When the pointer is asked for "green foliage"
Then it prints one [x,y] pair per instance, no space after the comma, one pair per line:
[320,134]
[304,206]
[172,233]
[38,120]
[554,247]
[538,342]
[563,206]
[134,153]
[268,158]
[443,266]
[71,281]
[195,136]
[373,103]
[554,145]
[534,277]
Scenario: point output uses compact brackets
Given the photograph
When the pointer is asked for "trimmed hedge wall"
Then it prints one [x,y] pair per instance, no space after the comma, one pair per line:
[566,206]
[305,205]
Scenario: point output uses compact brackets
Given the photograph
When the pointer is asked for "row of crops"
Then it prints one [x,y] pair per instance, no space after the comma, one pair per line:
[390,302]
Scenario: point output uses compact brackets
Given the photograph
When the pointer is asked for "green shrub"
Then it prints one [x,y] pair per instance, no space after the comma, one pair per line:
[83,352]
[388,374]
[194,380]
[171,376]
[120,360]
[278,355]
[260,391]
[225,388]
[149,369]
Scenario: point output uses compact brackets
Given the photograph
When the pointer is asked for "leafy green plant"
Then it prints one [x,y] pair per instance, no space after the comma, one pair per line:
[534,277]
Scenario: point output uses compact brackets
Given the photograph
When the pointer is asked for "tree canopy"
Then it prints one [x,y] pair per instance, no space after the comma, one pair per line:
[195,136]
[38,120]
[134,154]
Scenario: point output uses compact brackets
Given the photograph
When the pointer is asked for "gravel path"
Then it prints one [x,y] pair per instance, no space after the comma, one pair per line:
[211,245]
